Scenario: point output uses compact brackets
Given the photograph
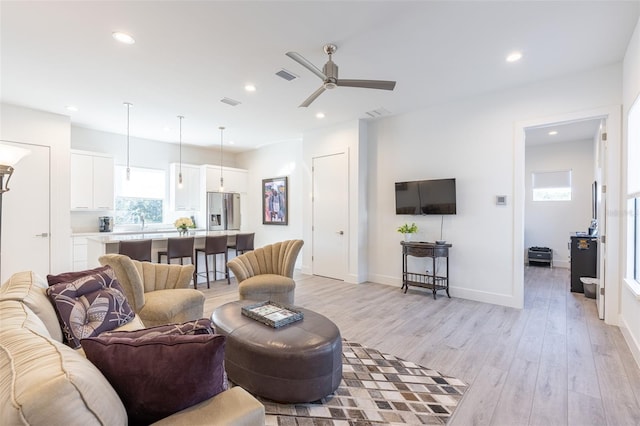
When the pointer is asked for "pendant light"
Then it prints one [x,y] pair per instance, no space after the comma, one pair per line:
[129,105]
[180,117]
[221,156]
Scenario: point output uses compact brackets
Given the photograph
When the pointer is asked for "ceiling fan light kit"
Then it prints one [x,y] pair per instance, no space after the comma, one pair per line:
[329,76]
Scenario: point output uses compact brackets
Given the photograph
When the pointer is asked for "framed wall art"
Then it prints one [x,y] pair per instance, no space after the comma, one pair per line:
[275,197]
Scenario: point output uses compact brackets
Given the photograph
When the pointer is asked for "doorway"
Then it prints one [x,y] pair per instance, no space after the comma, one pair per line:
[330,203]
[607,157]
[25,214]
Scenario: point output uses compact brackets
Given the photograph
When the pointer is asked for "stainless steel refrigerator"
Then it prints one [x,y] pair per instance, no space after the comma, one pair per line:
[223,211]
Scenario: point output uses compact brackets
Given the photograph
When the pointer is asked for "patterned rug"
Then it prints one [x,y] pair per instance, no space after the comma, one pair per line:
[376,389]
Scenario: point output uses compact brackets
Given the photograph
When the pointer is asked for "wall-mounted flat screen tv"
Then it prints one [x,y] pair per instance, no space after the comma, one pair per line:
[418,197]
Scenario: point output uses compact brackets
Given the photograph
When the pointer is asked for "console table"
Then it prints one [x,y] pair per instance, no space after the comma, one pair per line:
[431,281]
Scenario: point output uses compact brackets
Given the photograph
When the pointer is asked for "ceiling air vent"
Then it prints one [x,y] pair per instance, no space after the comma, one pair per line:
[230,101]
[380,112]
[287,75]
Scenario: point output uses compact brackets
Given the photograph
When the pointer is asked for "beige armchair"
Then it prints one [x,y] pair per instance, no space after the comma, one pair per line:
[266,273]
[158,293]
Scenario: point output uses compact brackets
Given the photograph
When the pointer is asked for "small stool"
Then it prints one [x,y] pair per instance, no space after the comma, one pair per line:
[179,248]
[136,249]
[213,245]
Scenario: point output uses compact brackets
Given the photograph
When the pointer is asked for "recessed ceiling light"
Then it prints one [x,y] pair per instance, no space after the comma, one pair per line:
[123,37]
[553,133]
[250,88]
[71,108]
[320,115]
[514,56]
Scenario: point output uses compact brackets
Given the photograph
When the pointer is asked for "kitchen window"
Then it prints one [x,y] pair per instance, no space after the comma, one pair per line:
[140,199]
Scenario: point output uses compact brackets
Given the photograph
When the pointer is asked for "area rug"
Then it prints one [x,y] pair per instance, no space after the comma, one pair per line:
[376,389]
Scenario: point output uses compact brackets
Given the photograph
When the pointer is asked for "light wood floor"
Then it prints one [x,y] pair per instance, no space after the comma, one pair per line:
[552,363]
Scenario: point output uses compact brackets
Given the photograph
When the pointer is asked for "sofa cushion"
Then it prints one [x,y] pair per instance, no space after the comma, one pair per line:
[176,371]
[30,289]
[90,305]
[46,382]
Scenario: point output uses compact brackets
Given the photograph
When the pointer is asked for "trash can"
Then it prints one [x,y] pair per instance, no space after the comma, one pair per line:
[590,286]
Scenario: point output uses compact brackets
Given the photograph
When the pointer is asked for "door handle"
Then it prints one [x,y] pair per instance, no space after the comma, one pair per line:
[43,235]
[340,232]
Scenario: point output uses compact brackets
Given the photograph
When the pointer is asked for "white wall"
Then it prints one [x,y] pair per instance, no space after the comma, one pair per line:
[472,141]
[42,128]
[349,138]
[549,223]
[277,160]
[145,152]
[630,296]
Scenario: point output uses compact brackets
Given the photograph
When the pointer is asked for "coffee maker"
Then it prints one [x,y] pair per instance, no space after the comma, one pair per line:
[105,223]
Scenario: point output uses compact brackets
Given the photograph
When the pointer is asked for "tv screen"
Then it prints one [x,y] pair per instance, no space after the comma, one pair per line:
[436,196]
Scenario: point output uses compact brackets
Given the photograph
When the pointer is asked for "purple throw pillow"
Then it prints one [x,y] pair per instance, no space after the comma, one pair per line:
[159,376]
[200,326]
[90,305]
[72,276]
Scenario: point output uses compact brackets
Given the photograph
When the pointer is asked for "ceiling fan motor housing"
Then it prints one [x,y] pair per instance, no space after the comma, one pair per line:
[330,69]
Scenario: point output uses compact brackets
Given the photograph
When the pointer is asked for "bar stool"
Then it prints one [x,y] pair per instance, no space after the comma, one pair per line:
[136,249]
[244,243]
[213,245]
[179,248]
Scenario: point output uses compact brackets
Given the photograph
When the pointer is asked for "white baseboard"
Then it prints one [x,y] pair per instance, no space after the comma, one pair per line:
[633,344]
[463,293]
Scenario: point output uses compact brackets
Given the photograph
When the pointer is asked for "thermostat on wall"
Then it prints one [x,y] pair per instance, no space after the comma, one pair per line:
[501,200]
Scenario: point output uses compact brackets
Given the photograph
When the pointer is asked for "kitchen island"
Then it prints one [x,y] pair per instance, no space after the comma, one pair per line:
[99,245]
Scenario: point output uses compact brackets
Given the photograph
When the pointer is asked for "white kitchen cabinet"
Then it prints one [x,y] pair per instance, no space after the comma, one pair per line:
[91,181]
[235,180]
[79,250]
[186,197]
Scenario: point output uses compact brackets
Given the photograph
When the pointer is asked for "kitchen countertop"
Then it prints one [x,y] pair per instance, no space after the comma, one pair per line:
[110,237]
[130,232]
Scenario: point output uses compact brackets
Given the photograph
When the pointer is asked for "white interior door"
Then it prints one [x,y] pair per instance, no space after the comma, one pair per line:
[25,215]
[330,216]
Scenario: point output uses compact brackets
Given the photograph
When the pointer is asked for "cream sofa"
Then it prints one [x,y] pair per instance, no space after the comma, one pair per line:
[45,382]
[266,273]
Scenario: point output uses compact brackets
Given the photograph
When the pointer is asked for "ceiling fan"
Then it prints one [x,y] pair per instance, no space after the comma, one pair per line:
[329,76]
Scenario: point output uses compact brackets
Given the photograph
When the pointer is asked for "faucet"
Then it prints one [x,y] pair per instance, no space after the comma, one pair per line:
[141,215]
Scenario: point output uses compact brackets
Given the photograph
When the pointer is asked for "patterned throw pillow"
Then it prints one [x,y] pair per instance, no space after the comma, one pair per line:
[72,276]
[90,305]
[157,374]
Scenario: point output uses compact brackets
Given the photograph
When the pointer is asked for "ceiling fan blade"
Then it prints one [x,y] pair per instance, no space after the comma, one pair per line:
[313,97]
[308,65]
[368,84]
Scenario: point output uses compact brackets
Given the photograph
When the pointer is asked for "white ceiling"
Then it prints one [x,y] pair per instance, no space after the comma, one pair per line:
[190,54]
[580,130]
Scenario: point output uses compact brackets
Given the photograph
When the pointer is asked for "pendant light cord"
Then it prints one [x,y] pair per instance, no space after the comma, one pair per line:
[128,104]
[180,117]
[221,158]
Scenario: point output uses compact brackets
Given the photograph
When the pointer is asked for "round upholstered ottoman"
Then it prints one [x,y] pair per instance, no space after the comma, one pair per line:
[298,362]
